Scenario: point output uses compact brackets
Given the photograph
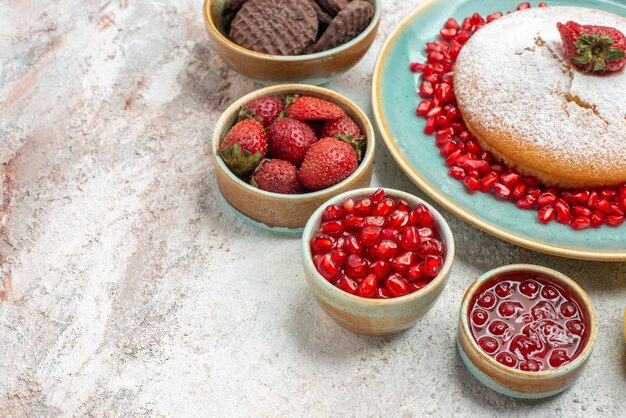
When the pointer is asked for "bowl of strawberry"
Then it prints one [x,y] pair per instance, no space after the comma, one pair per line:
[282,151]
[526,331]
[376,260]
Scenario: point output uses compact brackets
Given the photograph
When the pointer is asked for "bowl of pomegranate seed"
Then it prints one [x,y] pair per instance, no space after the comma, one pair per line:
[292,41]
[376,260]
[526,331]
[282,151]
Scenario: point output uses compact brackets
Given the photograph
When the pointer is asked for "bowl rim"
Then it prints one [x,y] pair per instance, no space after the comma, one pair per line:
[551,274]
[337,98]
[213,29]
[444,230]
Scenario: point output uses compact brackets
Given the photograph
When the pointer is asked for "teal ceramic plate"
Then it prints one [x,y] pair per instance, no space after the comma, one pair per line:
[394,101]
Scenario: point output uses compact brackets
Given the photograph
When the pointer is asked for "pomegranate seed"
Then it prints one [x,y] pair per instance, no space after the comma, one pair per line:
[383,208]
[546,199]
[472,184]
[457,173]
[568,197]
[614,220]
[368,285]
[421,216]
[462,37]
[403,261]
[581,197]
[494,16]
[396,285]
[454,157]
[333,228]
[332,212]
[398,220]
[451,23]
[416,67]
[546,214]
[615,209]
[386,249]
[597,219]
[578,210]
[603,205]
[321,244]
[608,194]
[563,214]
[411,238]
[390,234]
[448,33]
[593,199]
[435,57]
[426,89]
[443,91]
[452,113]
[328,267]
[432,265]
[542,4]
[488,181]
[373,221]
[363,207]
[429,128]
[442,122]
[382,293]
[430,246]
[415,272]
[339,257]
[510,179]
[424,107]
[353,223]
[527,202]
[502,191]
[580,222]
[523,6]
[465,136]
[370,235]
[380,268]
[518,191]
[347,285]
[354,246]
[356,266]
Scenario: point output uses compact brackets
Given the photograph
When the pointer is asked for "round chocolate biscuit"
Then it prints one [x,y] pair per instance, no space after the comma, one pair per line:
[276,27]
[349,23]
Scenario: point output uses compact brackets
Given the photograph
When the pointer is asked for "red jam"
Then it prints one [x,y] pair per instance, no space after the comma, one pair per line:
[378,247]
[527,322]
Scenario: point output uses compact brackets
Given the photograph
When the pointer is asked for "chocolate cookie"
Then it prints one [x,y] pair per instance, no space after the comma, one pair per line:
[350,22]
[333,6]
[277,27]
[322,16]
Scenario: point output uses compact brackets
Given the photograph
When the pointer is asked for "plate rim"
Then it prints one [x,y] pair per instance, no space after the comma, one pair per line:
[449,204]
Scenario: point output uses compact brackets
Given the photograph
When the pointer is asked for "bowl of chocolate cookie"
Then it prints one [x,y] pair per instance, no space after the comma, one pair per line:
[291,41]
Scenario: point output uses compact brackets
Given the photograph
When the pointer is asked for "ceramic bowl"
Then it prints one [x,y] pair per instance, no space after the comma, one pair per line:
[513,382]
[315,68]
[281,212]
[375,316]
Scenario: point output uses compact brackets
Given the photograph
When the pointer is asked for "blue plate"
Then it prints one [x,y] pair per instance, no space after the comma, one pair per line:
[394,100]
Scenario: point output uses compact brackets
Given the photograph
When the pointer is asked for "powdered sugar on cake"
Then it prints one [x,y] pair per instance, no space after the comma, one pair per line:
[515,77]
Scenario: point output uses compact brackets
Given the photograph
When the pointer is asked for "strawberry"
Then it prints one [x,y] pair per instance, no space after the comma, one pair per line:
[326,163]
[289,139]
[593,48]
[343,126]
[244,146]
[277,176]
[312,108]
[264,109]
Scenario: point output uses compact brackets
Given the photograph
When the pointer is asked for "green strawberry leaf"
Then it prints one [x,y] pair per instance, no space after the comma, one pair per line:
[615,54]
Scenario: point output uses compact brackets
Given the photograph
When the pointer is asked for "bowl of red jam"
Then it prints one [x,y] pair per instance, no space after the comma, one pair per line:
[526,331]
[376,260]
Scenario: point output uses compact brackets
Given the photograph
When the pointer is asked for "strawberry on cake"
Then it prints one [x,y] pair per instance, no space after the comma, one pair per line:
[543,90]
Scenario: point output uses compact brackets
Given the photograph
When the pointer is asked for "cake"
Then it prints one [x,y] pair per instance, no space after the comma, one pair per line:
[525,102]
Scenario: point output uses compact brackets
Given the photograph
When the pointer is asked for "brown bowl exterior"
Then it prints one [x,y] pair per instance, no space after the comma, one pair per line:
[316,68]
[514,382]
[375,317]
[279,211]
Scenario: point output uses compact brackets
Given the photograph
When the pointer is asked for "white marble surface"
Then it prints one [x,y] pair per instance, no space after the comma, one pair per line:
[127,288]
